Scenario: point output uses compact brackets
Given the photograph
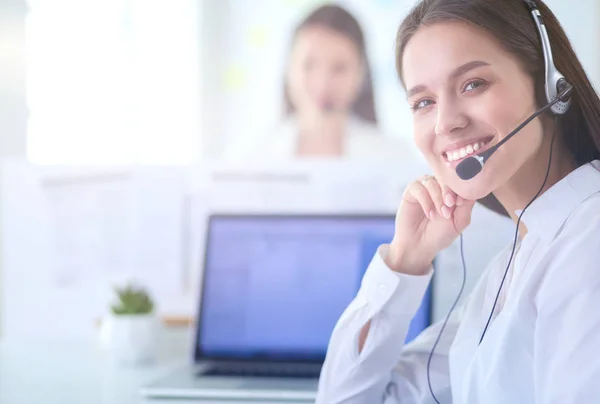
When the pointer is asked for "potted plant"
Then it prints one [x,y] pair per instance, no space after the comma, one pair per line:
[129,332]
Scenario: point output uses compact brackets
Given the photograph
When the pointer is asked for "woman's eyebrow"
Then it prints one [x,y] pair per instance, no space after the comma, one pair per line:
[457,72]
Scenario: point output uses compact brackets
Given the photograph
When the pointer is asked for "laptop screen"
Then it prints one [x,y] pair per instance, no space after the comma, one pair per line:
[275,286]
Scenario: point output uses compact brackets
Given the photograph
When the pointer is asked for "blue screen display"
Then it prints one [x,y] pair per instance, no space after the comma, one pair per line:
[276,286]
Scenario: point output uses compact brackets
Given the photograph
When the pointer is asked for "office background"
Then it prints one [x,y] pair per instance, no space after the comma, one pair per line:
[145,94]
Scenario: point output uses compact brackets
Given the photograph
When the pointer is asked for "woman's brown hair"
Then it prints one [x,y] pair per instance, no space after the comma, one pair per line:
[511,24]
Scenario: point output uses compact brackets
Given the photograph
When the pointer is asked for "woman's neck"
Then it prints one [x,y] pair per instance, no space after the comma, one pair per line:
[322,135]
[521,189]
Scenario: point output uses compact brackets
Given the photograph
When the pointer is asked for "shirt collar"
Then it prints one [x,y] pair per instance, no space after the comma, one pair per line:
[546,215]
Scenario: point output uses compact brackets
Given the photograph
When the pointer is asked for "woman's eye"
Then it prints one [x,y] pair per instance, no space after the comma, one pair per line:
[422,104]
[473,85]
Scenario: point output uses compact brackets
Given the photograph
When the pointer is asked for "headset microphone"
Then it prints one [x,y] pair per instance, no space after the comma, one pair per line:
[471,166]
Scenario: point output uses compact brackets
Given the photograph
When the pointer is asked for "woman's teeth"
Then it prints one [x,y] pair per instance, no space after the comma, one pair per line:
[464,151]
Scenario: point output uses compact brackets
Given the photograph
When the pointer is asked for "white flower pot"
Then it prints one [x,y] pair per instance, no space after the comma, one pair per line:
[130,339]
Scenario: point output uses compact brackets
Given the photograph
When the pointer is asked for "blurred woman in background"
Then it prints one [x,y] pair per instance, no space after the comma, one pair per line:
[329,108]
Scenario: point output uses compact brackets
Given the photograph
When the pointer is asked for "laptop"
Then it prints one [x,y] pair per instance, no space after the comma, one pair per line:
[273,289]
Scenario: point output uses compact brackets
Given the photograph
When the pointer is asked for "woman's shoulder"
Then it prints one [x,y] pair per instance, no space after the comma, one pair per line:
[577,213]
[572,266]
[574,253]
[581,230]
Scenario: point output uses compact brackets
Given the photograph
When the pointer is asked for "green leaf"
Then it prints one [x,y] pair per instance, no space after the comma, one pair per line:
[132,300]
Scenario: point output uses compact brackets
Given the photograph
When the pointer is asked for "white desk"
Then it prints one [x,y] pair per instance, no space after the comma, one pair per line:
[79,372]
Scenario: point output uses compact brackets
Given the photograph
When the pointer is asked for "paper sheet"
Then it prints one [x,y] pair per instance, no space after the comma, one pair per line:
[89,227]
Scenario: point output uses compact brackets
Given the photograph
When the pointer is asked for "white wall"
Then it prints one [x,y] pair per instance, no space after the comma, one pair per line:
[213,18]
[581,21]
[13,110]
[113,81]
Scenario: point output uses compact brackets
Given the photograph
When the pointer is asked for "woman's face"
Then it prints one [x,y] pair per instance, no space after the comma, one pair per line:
[467,93]
[325,71]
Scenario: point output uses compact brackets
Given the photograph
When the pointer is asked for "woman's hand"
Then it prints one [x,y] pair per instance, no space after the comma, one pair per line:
[429,219]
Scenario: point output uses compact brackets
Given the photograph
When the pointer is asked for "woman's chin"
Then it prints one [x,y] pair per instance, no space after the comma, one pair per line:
[476,188]
[472,190]
[472,196]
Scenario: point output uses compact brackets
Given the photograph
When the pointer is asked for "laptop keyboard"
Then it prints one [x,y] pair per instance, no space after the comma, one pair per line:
[263,370]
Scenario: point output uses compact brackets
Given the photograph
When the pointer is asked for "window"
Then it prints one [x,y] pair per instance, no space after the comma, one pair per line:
[113,81]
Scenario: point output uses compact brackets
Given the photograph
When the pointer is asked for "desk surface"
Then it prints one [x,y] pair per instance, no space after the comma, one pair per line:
[75,372]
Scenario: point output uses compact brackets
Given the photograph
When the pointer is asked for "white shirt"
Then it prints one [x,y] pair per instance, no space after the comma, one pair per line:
[542,345]
[364,141]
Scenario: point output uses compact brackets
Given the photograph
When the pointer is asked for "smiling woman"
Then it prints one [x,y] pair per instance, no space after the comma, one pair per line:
[474,71]
[502,86]
[478,101]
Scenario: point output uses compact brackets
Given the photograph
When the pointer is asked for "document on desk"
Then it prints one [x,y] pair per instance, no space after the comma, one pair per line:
[89,222]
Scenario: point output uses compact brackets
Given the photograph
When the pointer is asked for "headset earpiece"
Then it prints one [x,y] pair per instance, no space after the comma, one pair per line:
[555,82]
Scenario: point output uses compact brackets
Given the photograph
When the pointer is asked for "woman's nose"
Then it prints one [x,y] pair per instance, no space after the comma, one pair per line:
[450,118]
[321,83]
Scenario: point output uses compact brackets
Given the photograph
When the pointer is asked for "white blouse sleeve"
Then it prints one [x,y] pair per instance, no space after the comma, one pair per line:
[386,370]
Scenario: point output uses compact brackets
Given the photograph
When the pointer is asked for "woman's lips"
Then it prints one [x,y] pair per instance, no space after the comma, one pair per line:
[455,155]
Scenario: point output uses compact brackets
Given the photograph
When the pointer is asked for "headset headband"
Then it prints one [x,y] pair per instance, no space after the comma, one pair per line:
[555,82]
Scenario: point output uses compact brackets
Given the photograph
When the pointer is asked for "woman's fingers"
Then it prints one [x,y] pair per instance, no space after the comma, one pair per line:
[435,193]
[450,201]
[450,198]
[434,197]
[417,192]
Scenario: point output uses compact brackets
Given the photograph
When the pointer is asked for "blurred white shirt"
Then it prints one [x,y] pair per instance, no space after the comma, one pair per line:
[541,346]
[364,142]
